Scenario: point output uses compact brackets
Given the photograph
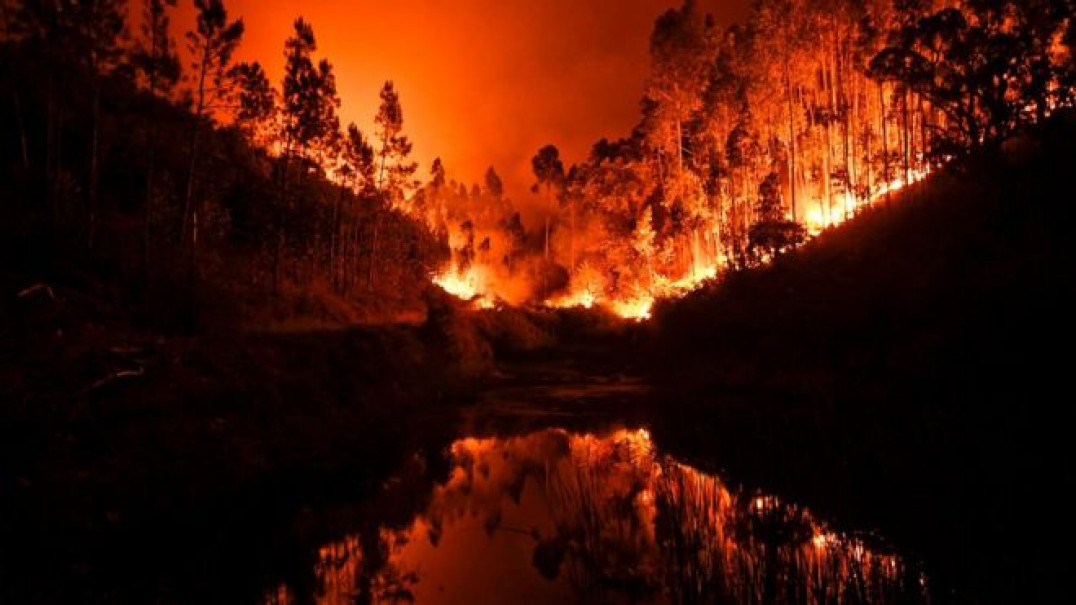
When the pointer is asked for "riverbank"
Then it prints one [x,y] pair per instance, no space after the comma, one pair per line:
[115,436]
[108,431]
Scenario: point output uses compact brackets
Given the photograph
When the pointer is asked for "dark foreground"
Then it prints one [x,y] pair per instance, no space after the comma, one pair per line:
[554,490]
[550,485]
[882,417]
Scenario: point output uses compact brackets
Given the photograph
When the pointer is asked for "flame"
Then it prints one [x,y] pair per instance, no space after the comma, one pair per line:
[637,309]
[470,285]
[584,299]
[635,300]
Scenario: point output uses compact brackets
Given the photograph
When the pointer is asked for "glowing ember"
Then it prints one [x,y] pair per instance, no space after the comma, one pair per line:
[822,539]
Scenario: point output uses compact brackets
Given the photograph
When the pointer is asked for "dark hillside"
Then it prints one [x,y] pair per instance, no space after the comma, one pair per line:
[912,364]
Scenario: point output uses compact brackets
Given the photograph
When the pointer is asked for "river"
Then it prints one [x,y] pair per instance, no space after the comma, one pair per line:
[543,497]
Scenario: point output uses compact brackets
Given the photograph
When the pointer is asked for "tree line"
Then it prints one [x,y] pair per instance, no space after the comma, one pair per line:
[191,180]
[755,135]
[188,178]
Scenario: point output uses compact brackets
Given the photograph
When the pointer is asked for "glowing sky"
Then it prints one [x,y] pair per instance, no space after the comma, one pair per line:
[481,81]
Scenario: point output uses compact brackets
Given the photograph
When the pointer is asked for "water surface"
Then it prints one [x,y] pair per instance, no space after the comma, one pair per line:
[558,516]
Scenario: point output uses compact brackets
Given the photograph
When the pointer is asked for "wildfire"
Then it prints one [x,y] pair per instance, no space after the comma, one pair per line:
[637,309]
[584,299]
[477,286]
[470,285]
[819,218]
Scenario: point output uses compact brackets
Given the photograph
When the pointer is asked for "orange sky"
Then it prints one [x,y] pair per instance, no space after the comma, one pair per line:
[481,81]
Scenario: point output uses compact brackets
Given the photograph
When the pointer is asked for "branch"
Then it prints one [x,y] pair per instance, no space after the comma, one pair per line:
[113,377]
[35,289]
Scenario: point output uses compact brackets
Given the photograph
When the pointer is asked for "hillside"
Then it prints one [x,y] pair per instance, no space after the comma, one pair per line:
[907,370]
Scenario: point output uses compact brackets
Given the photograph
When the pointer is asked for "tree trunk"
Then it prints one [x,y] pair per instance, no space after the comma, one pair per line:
[188,196]
[278,248]
[193,149]
[904,137]
[923,139]
[20,121]
[885,145]
[151,148]
[827,176]
[571,211]
[378,211]
[95,139]
[846,132]
[148,218]
[791,132]
[547,239]
[335,241]
[50,161]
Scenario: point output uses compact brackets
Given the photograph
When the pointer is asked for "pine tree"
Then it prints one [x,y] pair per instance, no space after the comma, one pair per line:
[309,121]
[357,175]
[211,45]
[256,103]
[395,169]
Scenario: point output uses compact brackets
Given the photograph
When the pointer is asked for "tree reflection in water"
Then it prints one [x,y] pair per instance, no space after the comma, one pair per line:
[556,515]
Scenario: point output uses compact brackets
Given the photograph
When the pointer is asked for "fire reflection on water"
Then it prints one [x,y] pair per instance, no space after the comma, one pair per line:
[560,516]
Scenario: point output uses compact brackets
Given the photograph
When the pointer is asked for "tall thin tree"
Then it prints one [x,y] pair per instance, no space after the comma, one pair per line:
[211,44]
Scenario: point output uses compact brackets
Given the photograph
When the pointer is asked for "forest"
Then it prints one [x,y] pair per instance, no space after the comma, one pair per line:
[791,337]
[756,137]
[194,188]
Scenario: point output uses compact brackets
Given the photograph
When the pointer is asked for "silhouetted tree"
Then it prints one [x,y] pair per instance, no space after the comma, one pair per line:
[395,169]
[157,62]
[309,122]
[494,185]
[772,233]
[78,43]
[357,174]
[309,99]
[550,180]
[211,45]
[256,105]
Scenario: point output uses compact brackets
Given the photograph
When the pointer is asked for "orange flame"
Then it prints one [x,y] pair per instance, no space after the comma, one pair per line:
[635,301]
[470,285]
